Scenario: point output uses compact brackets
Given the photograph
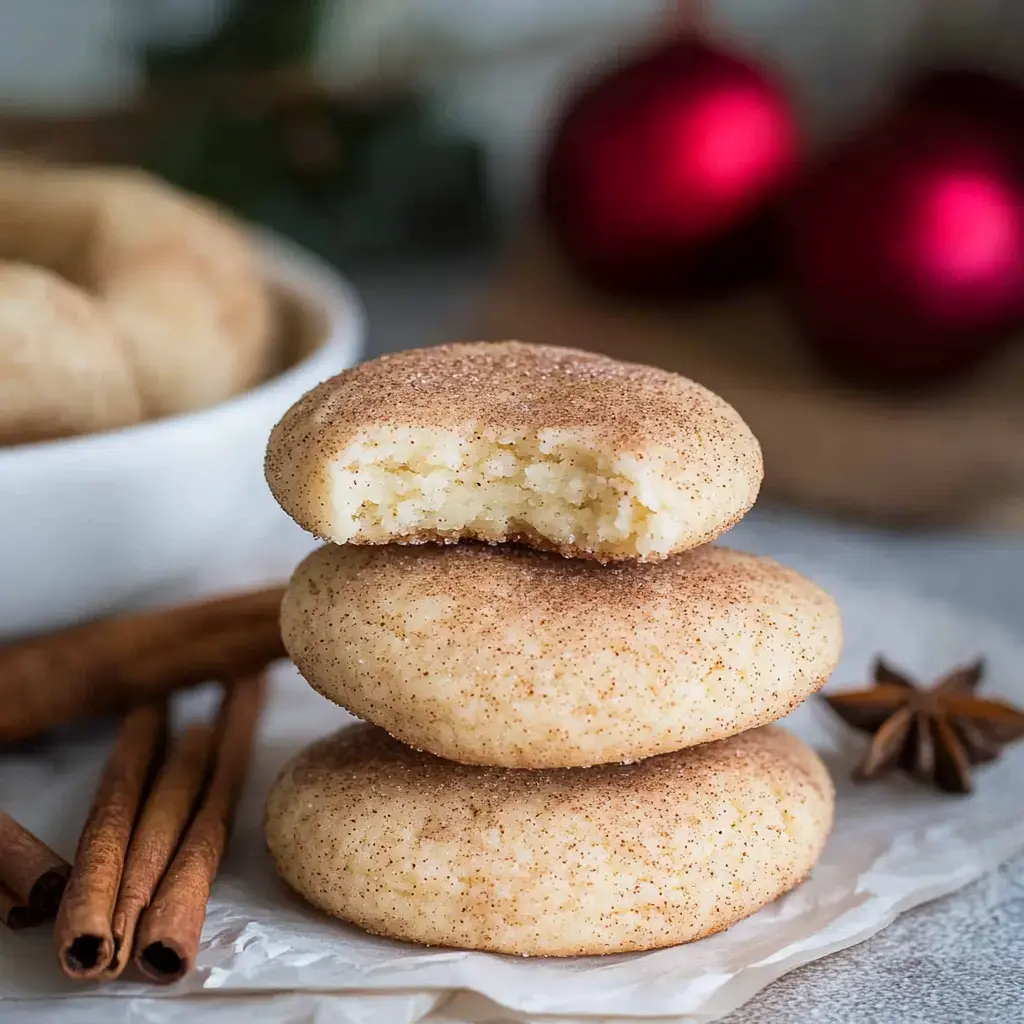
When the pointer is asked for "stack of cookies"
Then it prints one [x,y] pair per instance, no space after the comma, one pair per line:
[569,687]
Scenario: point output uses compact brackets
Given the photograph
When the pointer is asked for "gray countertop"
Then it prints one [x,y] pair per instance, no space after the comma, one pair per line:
[959,959]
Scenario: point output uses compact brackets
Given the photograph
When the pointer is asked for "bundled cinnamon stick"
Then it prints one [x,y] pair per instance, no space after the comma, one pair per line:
[127,660]
[124,853]
[168,936]
[32,876]
[166,813]
[83,933]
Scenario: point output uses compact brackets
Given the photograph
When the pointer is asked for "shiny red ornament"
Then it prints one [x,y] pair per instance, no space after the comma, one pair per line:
[661,167]
[904,253]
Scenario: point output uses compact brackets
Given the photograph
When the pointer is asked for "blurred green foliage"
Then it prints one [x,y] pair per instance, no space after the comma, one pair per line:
[256,35]
[352,179]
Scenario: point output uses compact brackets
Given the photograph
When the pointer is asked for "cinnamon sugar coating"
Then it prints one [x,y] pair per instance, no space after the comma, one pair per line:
[513,657]
[558,863]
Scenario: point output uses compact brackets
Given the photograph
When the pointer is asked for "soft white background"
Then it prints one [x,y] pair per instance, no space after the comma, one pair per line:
[497,65]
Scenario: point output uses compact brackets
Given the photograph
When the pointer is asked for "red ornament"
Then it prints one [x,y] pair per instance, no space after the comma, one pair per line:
[905,251]
[657,163]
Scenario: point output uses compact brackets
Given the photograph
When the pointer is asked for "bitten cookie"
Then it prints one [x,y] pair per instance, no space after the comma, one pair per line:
[63,368]
[500,441]
[176,276]
[554,863]
[520,658]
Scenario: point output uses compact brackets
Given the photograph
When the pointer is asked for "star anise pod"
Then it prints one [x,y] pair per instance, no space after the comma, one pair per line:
[934,734]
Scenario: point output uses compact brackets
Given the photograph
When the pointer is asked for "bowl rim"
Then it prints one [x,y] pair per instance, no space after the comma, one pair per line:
[284,263]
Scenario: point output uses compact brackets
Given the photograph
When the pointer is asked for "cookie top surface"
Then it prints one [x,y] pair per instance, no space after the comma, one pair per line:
[513,657]
[517,387]
[557,862]
[498,441]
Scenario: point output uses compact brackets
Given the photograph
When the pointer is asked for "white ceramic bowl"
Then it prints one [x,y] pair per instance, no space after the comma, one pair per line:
[105,521]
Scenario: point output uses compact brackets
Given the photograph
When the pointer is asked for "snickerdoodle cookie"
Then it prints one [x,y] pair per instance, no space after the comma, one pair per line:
[499,441]
[63,368]
[177,277]
[554,863]
[514,657]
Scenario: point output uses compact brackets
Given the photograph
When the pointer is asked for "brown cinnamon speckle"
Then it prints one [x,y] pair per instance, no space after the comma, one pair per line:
[560,862]
[513,657]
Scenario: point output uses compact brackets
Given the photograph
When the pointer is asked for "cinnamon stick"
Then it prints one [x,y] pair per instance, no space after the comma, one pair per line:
[32,876]
[85,943]
[16,914]
[120,662]
[168,936]
[165,814]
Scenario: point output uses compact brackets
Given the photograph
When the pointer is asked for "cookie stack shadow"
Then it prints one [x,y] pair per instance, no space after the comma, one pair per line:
[570,750]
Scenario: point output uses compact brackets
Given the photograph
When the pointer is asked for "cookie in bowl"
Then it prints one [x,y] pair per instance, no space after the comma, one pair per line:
[139,514]
[63,365]
[178,278]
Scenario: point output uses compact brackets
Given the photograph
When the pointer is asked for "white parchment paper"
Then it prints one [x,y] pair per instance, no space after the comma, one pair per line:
[267,958]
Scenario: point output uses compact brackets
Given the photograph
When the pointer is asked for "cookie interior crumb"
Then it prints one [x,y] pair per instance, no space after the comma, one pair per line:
[554,483]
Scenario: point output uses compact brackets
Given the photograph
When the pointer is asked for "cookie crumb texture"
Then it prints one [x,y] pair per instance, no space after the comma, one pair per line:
[500,441]
[523,659]
[563,862]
